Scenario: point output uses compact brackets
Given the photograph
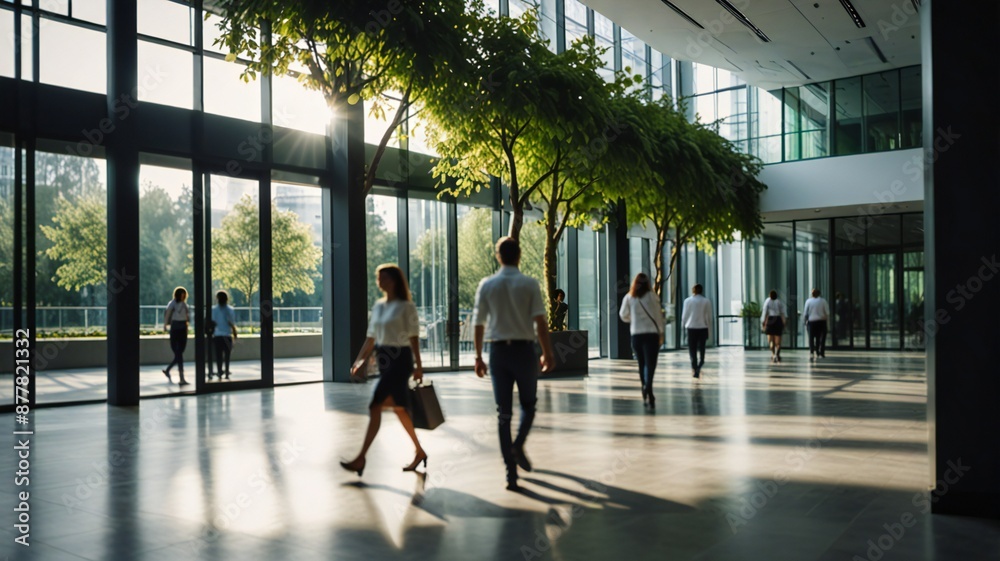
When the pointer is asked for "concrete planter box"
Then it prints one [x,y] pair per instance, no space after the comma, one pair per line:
[572,353]
[86,352]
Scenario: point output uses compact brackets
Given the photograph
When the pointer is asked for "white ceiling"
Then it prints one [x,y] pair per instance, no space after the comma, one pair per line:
[810,40]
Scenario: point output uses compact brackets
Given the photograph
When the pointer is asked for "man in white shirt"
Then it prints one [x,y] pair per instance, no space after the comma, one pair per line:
[696,317]
[815,315]
[509,313]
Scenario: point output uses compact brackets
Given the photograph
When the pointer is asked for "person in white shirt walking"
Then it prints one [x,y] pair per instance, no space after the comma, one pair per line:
[394,336]
[816,315]
[773,318]
[641,310]
[176,322]
[696,317]
[510,313]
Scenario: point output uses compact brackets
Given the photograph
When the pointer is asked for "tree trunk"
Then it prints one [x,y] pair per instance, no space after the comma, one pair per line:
[551,268]
[661,241]
[516,218]
[675,252]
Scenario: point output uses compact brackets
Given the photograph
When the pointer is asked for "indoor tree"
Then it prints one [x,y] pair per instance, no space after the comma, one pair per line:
[705,191]
[499,108]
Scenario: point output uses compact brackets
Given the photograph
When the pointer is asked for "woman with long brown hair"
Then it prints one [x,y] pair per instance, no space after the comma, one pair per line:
[394,337]
[641,310]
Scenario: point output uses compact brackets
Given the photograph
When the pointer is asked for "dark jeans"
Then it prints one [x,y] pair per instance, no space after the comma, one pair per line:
[696,347]
[817,337]
[646,348]
[223,349]
[178,342]
[509,365]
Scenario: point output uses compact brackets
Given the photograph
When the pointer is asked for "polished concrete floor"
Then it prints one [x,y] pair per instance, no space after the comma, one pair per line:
[796,461]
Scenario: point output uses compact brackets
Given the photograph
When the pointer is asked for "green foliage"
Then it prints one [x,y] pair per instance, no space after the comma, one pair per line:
[703,189]
[164,244]
[750,310]
[296,259]
[79,242]
[6,253]
[476,258]
[382,246]
[236,251]
[504,109]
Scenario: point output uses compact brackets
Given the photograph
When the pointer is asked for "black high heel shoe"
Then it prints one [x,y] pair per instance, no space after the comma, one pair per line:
[416,462]
[349,466]
[645,395]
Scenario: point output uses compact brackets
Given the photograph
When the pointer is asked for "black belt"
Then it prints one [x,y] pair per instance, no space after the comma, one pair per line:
[513,342]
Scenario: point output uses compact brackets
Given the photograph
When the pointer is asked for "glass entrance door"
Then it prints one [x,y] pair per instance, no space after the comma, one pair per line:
[233,267]
[883,301]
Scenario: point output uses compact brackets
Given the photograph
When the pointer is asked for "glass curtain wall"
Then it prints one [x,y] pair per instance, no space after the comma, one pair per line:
[7,258]
[476,260]
[869,269]
[765,124]
[913,281]
[297,281]
[382,237]
[730,300]
[428,267]
[71,294]
[166,229]
[769,267]
[812,267]
[881,105]
[911,107]
[604,38]
[588,301]
[576,20]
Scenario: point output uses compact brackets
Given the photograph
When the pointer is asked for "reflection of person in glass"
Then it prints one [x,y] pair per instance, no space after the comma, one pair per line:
[773,317]
[224,318]
[176,322]
[843,310]
[394,336]
[559,310]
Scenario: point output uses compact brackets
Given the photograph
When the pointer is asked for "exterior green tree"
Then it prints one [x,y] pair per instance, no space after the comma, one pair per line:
[382,247]
[79,242]
[236,251]
[6,252]
[59,176]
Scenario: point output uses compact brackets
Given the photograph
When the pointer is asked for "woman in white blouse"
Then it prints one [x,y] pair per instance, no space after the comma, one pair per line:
[641,310]
[176,322]
[394,336]
[773,318]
